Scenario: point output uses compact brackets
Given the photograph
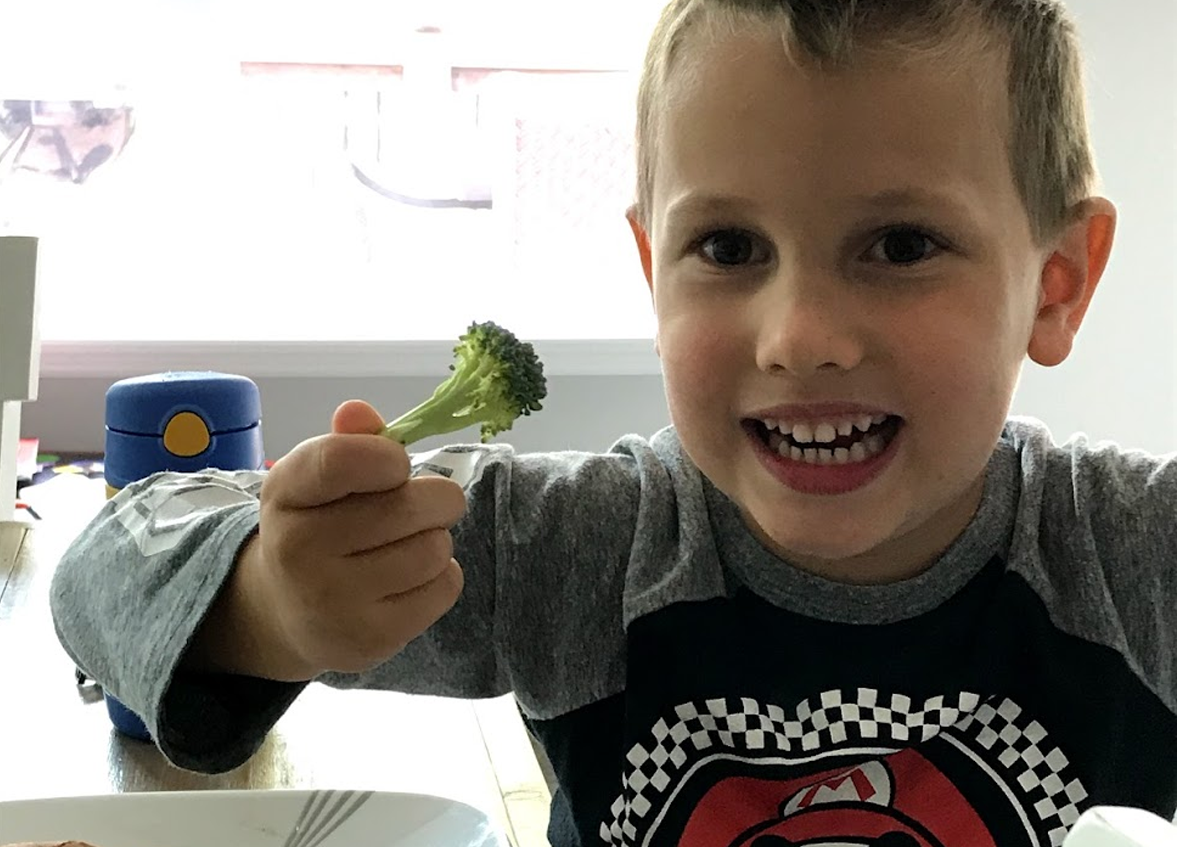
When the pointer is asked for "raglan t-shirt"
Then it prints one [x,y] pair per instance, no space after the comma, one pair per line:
[691,688]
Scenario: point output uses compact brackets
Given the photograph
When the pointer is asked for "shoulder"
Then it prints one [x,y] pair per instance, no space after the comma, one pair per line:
[633,464]
[1119,496]
[1095,536]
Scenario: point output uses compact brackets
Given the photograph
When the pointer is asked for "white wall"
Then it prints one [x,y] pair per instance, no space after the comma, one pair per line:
[1121,383]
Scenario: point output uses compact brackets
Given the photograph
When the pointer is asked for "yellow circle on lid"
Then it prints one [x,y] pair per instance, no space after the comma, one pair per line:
[186,435]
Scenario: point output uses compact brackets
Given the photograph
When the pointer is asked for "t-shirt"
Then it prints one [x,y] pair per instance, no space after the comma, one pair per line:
[690,687]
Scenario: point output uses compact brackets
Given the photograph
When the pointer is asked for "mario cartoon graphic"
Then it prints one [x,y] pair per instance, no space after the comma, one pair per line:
[855,768]
[900,801]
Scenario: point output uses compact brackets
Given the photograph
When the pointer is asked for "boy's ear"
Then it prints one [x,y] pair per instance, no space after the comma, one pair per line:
[642,238]
[1069,279]
[643,242]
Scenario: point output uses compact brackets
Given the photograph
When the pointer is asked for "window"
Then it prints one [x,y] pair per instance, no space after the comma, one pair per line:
[363,170]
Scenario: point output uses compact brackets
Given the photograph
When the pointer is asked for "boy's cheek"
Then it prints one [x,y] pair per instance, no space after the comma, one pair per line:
[694,369]
[690,339]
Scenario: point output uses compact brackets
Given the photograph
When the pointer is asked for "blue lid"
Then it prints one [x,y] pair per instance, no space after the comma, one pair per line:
[144,405]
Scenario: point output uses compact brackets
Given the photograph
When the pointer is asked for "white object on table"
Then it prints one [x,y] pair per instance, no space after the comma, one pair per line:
[20,354]
[248,819]
[1116,826]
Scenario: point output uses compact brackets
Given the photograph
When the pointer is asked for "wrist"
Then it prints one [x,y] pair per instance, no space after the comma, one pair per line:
[239,635]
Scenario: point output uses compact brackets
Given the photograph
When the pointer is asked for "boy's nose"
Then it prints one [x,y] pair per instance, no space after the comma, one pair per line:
[804,327]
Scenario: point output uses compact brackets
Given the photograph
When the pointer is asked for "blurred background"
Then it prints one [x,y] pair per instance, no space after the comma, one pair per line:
[322,195]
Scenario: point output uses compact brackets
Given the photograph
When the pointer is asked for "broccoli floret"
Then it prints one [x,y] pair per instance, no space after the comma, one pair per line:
[496,379]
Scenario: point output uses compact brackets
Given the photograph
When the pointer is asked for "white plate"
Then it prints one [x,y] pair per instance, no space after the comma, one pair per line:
[245,819]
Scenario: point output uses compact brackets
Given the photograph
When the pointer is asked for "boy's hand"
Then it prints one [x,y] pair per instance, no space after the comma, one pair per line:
[351,562]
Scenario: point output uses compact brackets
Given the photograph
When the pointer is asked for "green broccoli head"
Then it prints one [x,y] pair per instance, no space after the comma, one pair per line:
[494,380]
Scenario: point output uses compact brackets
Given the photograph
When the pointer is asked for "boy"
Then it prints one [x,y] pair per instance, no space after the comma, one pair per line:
[843,599]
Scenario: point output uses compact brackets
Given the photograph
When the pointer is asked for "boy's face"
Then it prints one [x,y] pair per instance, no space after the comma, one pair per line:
[827,250]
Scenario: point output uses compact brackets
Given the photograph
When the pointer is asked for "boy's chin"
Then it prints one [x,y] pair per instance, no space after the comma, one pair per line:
[840,554]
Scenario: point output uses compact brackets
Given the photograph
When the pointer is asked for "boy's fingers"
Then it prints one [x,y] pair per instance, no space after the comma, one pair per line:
[356,416]
[415,611]
[400,568]
[372,521]
[364,522]
[384,628]
[330,467]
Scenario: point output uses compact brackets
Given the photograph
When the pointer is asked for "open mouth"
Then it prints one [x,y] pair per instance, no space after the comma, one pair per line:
[842,442]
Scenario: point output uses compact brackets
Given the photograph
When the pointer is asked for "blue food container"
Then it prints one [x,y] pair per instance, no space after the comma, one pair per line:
[181,421]
[184,421]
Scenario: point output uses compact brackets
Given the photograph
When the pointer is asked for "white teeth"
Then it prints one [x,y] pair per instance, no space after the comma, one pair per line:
[825,433]
[792,441]
[860,452]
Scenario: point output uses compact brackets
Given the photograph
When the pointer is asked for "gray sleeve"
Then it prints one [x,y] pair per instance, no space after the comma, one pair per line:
[1105,548]
[130,592]
[544,546]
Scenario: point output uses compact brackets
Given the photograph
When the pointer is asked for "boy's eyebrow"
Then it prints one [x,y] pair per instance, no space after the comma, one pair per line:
[916,196]
[701,203]
[698,203]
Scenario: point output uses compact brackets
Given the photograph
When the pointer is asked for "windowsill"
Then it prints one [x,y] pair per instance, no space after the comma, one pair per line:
[115,360]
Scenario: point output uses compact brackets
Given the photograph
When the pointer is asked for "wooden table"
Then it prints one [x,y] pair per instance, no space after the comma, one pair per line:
[56,739]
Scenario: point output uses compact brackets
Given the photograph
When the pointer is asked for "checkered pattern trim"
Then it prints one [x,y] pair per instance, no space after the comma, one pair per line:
[1039,769]
[834,719]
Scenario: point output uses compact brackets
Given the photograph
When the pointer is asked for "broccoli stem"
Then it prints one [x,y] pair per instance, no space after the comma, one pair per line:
[448,410]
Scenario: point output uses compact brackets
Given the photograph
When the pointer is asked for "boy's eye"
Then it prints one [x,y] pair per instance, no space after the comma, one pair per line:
[730,248]
[904,246]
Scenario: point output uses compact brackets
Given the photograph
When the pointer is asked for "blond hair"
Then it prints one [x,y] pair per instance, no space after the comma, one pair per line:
[1049,147]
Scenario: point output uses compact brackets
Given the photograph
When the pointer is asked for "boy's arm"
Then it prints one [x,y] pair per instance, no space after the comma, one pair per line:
[1131,499]
[131,591]
[141,581]
[148,580]
[1106,544]
[546,544]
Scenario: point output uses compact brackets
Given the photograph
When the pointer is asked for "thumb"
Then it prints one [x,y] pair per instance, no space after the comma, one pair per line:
[353,459]
[356,417]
